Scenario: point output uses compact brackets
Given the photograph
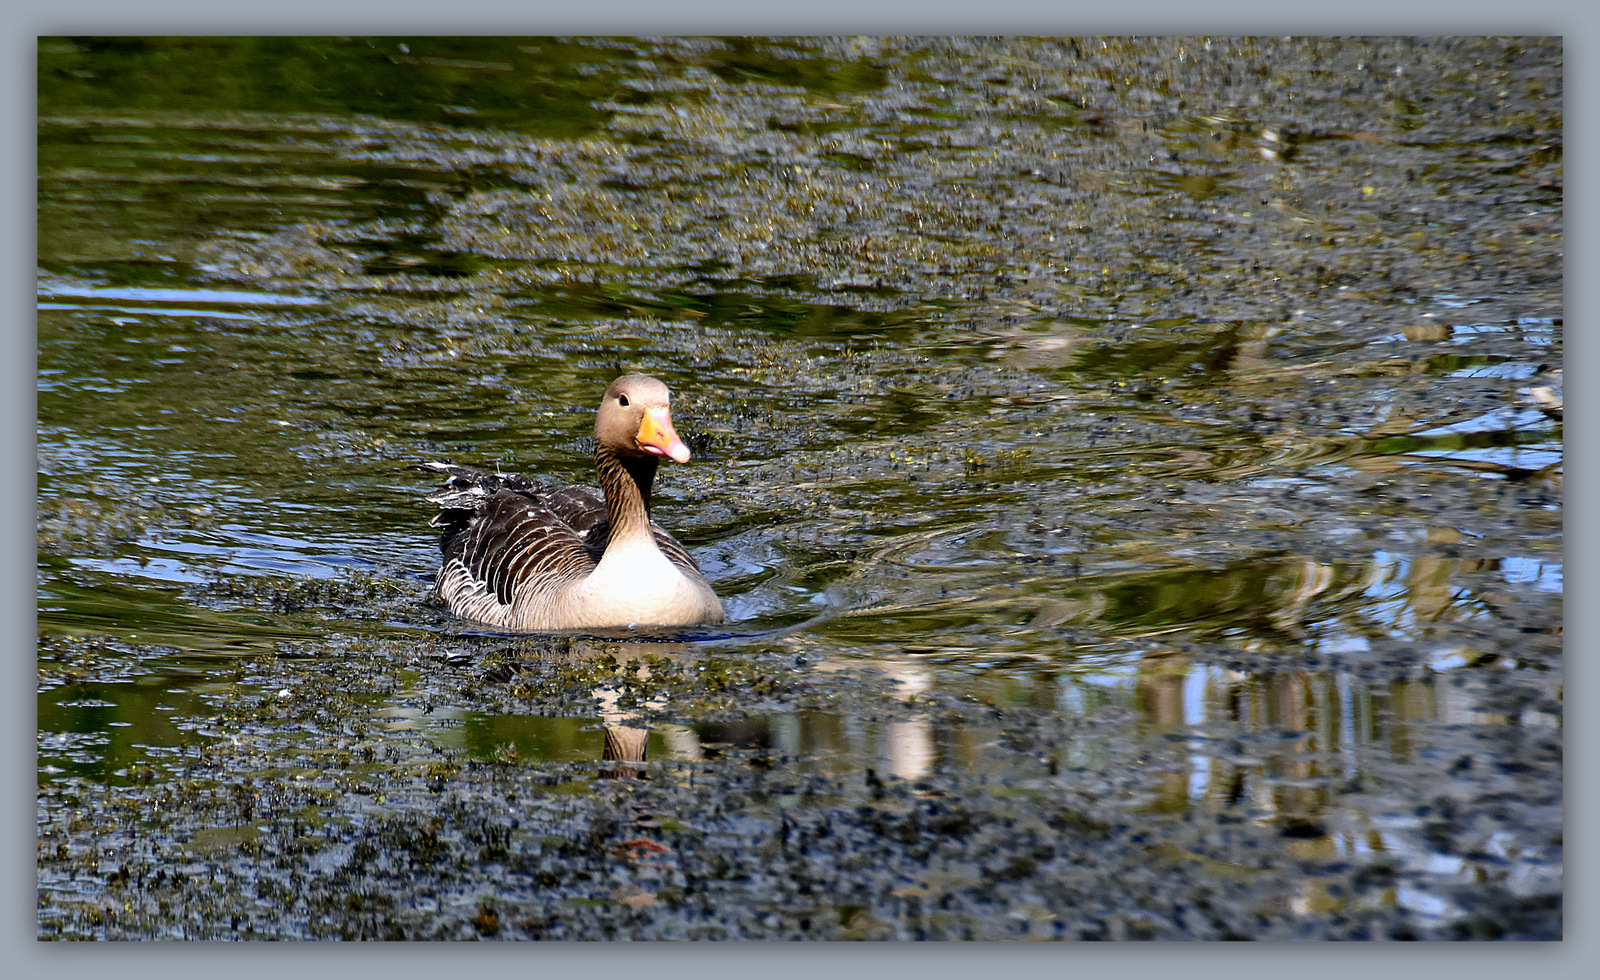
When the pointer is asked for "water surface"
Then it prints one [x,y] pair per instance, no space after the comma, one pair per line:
[1187,392]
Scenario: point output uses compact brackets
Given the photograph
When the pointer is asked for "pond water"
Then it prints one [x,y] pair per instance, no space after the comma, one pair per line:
[1205,393]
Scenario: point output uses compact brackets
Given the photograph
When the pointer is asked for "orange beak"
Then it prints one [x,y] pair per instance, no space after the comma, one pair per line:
[656,436]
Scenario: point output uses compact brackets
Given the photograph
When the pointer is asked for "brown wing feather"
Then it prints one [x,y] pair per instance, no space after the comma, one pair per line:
[513,539]
[502,531]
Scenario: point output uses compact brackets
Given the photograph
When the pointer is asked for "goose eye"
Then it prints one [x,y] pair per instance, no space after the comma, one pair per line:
[622,400]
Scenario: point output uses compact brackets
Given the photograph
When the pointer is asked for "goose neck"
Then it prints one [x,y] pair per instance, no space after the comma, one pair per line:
[626,483]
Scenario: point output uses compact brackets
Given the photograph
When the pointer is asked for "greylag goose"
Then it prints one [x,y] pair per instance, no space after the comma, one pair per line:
[531,556]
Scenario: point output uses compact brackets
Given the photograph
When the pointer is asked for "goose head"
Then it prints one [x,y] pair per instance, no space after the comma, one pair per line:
[635,420]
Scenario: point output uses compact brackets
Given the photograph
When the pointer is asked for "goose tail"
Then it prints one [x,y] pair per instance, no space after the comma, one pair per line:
[465,487]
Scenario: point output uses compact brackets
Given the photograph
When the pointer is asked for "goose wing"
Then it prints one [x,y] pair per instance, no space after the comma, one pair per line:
[673,549]
[503,532]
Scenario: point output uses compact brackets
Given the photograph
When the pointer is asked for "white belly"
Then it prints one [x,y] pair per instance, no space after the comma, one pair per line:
[636,584]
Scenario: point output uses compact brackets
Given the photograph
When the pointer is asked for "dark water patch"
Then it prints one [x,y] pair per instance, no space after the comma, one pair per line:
[126,605]
[792,63]
[245,180]
[415,255]
[543,86]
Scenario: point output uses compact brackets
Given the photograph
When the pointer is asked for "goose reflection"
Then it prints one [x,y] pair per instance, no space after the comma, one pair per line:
[626,736]
[904,748]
